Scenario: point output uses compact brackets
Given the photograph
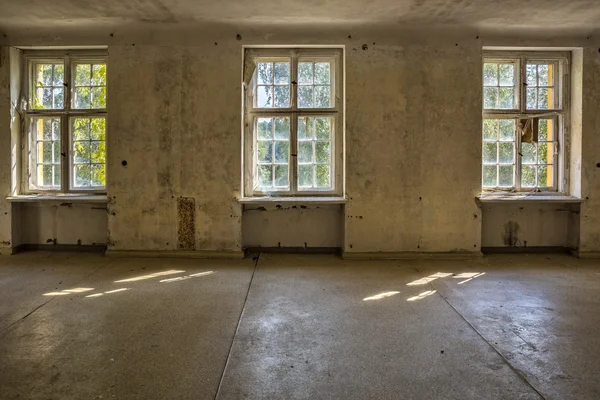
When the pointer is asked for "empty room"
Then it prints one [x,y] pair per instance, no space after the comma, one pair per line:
[299,200]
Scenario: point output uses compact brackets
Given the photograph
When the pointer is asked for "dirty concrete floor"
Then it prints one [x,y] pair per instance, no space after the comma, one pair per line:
[298,327]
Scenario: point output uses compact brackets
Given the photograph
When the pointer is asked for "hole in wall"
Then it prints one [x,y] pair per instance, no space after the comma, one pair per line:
[124,163]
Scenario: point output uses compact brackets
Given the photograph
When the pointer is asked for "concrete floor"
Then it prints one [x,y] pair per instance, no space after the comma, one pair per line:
[298,327]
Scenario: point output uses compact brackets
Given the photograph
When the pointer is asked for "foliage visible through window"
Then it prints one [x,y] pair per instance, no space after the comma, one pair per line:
[293,119]
[510,162]
[67,113]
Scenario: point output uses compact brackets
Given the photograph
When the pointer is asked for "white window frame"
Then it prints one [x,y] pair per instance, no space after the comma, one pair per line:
[560,114]
[69,58]
[334,55]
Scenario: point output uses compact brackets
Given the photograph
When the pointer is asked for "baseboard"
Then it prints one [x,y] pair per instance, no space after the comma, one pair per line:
[586,254]
[526,250]
[411,255]
[174,254]
[294,250]
[84,248]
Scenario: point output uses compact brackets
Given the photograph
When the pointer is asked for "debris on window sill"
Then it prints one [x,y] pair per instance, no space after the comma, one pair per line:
[67,197]
[292,200]
[501,197]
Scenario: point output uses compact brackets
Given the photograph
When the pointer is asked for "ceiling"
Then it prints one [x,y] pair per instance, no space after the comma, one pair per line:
[580,15]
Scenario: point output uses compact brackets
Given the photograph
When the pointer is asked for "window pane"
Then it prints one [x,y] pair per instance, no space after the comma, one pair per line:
[490,97]
[83,97]
[490,178]
[528,176]
[323,128]
[545,152]
[282,73]
[490,129]
[506,153]
[99,74]
[506,72]
[507,129]
[89,151]
[490,153]
[305,176]
[90,86]
[282,128]
[545,176]
[531,73]
[58,97]
[305,73]
[507,98]
[281,176]
[98,97]
[272,149]
[83,74]
[543,75]
[506,175]
[323,176]
[265,152]
[265,176]
[540,86]
[265,128]
[46,152]
[305,97]
[322,74]
[282,96]
[322,97]
[490,74]
[544,99]
[531,98]
[265,73]
[305,152]
[529,153]
[47,83]
[282,151]
[315,153]
[264,96]
[322,152]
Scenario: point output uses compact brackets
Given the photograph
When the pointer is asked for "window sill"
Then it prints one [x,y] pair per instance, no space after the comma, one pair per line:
[292,200]
[527,197]
[69,198]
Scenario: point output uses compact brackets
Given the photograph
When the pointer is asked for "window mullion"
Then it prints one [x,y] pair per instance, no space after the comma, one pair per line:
[518,160]
[293,166]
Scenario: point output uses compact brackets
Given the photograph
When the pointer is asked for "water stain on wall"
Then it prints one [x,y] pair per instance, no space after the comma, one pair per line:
[511,234]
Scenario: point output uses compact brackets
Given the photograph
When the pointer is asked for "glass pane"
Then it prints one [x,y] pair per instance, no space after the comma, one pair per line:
[490,129]
[490,153]
[281,176]
[44,75]
[83,175]
[528,176]
[46,100]
[490,176]
[545,152]
[490,74]
[543,75]
[81,129]
[59,75]
[323,176]
[490,97]
[531,98]
[506,175]
[98,175]
[44,155]
[56,175]
[265,73]
[265,175]
[305,152]
[507,129]
[506,150]
[83,74]
[543,130]
[282,151]
[265,128]
[82,152]
[323,128]
[545,99]
[305,96]
[305,175]
[507,98]
[282,96]
[98,97]
[265,152]
[98,150]
[282,128]
[82,97]
[305,73]
[302,132]
[47,172]
[322,152]
[322,96]
[56,152]
[264,96]
[59,97]
[506,74]
[99,74]
[545,176]
[98,128]
[529,153]
[322,74]
[282,73]
[531,75]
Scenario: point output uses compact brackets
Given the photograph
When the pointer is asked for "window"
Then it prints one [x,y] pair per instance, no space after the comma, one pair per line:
[66,121]
[524,111]
[293,122]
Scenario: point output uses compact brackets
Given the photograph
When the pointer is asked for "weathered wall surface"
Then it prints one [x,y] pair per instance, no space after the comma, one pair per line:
[413,135]
[530,225]
[590,147]
[174,119]
[5,153]
[306,226]
[62,223]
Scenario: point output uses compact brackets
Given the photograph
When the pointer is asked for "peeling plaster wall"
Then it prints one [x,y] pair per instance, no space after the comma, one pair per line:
[590,160]
[5,153]
[62,223]
[530,225]
[174,120]
[413,149]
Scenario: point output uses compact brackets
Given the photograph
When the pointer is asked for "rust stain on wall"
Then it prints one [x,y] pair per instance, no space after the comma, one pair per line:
[186,224]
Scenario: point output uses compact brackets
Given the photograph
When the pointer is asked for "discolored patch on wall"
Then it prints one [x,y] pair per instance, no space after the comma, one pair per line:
[186,223]
[511,234]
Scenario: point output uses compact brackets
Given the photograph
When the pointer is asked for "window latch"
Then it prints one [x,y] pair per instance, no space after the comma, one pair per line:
[63,154]
[294,155]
